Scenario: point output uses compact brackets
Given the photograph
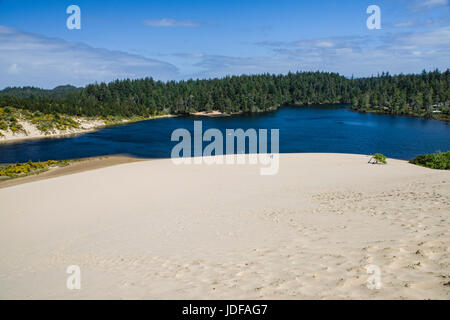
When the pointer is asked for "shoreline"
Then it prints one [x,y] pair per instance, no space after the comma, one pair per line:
[216,114]
[374,111]
[73,167]
[12,138]
[380,112]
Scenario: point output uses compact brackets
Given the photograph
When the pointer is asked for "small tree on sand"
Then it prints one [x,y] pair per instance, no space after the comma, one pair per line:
[378,158]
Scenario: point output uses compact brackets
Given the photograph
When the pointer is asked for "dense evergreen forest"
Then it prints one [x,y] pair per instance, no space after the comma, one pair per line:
[29,92]
[426,94]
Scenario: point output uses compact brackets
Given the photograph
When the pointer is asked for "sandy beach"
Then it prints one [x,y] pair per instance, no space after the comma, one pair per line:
[153,230]
[213,113]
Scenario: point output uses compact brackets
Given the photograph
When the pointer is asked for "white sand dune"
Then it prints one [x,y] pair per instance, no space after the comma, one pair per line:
[154,230]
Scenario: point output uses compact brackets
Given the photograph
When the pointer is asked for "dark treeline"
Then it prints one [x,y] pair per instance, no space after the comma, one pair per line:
[419,94]
[404,94]
[33,92]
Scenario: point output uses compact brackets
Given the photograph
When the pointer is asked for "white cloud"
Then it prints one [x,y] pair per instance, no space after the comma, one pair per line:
[359,55]
[219,66]
[439,38]
[189,55]
[433,3]
[404,24]
[325,44]
[363,56]
[13,69]
[171,23]
[30,59]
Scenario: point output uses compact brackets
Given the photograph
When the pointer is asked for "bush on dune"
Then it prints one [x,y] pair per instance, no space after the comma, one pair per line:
[438,160]
[23,169]
[9,120]
[378,158]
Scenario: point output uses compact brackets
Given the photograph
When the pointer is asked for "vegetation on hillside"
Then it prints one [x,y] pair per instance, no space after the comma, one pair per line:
[426,94]
[9,120]
[438,160]
[50,122]
[11,117]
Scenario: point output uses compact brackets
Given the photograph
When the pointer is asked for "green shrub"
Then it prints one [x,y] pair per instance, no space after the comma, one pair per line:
[438,160]
[9,120]
[3,125]
[378,158]
[23,169]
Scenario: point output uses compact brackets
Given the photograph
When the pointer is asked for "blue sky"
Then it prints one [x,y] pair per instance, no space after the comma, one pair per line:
[174,40]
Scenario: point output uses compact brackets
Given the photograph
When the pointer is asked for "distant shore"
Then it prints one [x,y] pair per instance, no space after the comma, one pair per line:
[89,125]
[434,116]
[438,116]
[154,230]
[214,113]
[86,125]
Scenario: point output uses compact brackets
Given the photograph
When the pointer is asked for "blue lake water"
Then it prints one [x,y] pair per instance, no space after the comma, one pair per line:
[302,129]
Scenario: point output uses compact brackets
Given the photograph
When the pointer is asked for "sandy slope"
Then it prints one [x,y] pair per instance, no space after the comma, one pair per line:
[154,230]
[31,132]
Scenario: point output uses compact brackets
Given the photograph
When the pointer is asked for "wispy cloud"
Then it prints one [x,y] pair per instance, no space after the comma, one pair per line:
[322,44]
[31,59]
[211,66]
[189,55]
[421,23]
[171,23]
[406,24]
[432,3]
[400,52]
